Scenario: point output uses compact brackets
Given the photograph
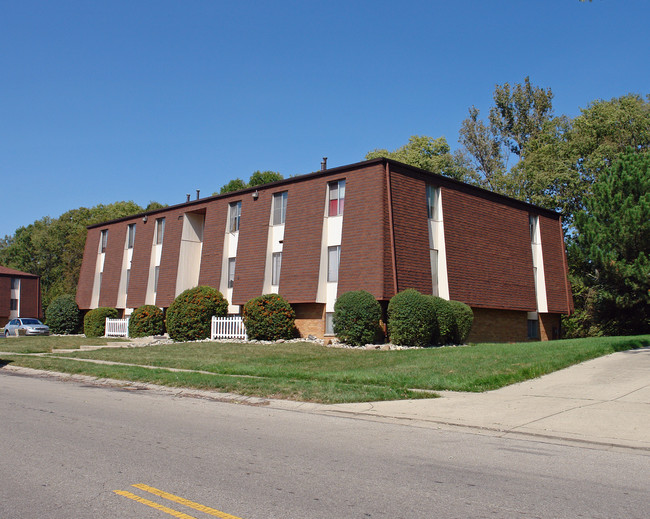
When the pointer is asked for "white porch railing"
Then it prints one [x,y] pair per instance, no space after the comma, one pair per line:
[228,328]
[117,328]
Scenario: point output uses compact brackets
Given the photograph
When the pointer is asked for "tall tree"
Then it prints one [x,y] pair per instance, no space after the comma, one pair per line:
[427,153]
[496,148]
[234,185]
[483,145]
[566,158]
[519,113]
[611,252]
[264,177]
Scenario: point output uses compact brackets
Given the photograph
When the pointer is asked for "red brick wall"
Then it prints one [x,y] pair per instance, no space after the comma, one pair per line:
[558,289]
[364,233]
[498,326]
[112,264]
[87,272]
[136,292]
[213,235]
[5,299]
[251,246]
[549,327]
[411,232]
[169,257]
[310,319]
[302,239]
[489,256]
[30,298]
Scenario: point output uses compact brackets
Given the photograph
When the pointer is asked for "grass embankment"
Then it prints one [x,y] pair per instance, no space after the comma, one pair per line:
[307,372]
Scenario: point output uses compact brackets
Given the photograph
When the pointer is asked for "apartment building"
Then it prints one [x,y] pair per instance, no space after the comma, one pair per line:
[20,295]
[378,225]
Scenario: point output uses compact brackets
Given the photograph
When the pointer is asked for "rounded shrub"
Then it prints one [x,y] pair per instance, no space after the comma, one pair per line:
[95,321]
[463,320]
[145,321]
[269,317]
[356,318]
[189,317]
[411,319]
[63,315]
[445,319]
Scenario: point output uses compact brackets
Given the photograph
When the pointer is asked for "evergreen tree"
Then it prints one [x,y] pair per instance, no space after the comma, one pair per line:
[611,252]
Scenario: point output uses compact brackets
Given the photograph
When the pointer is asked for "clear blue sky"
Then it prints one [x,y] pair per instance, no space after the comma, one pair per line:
[148,100]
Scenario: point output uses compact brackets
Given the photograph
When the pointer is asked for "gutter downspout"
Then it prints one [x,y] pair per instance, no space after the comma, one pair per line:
[392,228]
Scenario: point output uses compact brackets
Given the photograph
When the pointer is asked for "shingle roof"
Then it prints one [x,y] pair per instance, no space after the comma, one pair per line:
[6,271]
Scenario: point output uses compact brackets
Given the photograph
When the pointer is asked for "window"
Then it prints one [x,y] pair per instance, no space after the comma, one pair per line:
[336,197]
[231,272]
[533,332]
[276,266]
[13,305]
[431,201]
[128,278]
[156,273]
[532,225]
[235,215]
[160,231]
[103,241]
[333,257]
[329,323]
[131,236]
[15,283]
[279,208]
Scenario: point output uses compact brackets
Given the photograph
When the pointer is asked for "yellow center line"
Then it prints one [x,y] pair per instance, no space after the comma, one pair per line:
[162,508]
[186,502]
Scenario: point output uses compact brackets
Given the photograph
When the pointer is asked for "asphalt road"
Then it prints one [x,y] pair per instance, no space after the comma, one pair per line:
[66,448]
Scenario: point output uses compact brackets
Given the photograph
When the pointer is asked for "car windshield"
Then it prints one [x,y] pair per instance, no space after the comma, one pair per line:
[31,321]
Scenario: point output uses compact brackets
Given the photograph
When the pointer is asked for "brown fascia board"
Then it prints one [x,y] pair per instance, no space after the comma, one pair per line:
[484,193]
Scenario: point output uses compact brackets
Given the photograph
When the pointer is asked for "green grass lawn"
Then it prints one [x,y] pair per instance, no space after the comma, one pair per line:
[50,343]
[308,372]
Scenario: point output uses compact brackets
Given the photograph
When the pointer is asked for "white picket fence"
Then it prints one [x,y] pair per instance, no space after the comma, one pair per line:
[117,328]
[228,328]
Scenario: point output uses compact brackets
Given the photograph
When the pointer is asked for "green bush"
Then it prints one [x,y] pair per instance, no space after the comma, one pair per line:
[268,318]
[356,318]
[463,320]
[411,319]
[95,321]
[145,321]
[189,317]
[63,315]
[445,318]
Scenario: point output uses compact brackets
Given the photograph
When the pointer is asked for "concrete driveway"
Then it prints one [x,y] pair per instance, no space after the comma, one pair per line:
[605,401]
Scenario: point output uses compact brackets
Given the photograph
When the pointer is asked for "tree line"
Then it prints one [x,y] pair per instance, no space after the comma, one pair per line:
[594,169]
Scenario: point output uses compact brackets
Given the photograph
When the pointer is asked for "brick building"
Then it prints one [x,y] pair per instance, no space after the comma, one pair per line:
[378,225]
[20,295]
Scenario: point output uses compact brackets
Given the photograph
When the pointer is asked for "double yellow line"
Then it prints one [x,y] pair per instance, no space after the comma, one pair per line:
[176,499]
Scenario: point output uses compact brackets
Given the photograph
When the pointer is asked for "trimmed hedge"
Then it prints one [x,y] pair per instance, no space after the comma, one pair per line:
[63,315]
[411,319]
[95,321]
[463,320]
[189,317]
[445,318]
[145,321]
[356,318]
[269,317]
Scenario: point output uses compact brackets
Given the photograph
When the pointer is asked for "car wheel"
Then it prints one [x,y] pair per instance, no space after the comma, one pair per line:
[6,333]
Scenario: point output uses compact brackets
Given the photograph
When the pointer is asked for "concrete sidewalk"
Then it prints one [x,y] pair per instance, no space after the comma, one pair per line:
[605,401]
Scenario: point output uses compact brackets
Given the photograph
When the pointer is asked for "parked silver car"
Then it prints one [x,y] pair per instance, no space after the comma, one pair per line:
[26,326]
